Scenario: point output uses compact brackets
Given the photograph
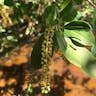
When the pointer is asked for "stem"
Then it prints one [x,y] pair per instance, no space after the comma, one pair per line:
[92,3]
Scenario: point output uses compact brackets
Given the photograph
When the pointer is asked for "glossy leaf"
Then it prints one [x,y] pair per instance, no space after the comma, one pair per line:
[36,54]
[83,37]
[60,40]
[50,14]
[69,13]
[65,3]
[80,32]
[78,25]
[78,56]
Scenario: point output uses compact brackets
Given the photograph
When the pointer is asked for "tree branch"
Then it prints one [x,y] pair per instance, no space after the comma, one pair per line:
[92,3]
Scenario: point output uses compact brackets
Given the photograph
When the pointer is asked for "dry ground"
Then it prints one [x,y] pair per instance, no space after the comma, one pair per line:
[67,80]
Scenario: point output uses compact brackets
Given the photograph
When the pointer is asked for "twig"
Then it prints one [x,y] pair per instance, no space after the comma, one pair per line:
[92,3]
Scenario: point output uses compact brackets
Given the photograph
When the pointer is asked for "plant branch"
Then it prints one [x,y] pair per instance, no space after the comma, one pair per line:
[92,3]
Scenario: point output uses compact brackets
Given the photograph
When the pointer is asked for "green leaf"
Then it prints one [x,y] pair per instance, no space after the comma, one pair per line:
[81,57]
[83,37]
[2,29]
[80,32]
[90,68]
[50,14]
[36,54]
[18,15]
[29,89]
[9,2]
[94,49]
[78,56]
[60,40]
[55,44]
[78,25]
[69,13]
[94,20]
[65,3]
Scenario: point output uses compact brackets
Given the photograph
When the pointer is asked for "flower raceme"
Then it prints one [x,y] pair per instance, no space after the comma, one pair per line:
[46,52]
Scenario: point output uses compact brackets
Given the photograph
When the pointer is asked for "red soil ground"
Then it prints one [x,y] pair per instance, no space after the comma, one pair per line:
[67,79]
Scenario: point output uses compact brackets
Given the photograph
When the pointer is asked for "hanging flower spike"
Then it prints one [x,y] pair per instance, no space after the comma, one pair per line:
[45,60]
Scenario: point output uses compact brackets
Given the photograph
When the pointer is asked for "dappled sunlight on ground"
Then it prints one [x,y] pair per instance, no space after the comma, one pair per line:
[67,79]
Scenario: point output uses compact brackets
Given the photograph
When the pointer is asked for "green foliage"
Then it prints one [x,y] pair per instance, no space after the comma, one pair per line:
[78,25]
[29,89]
[94,21]
[77,55]
[90,68]
[2,29]
[50,14]
[36,54]
[94,49]
[71,33]
[18,15]
[69,12]
[60,40]
[80,31]
[64,5]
